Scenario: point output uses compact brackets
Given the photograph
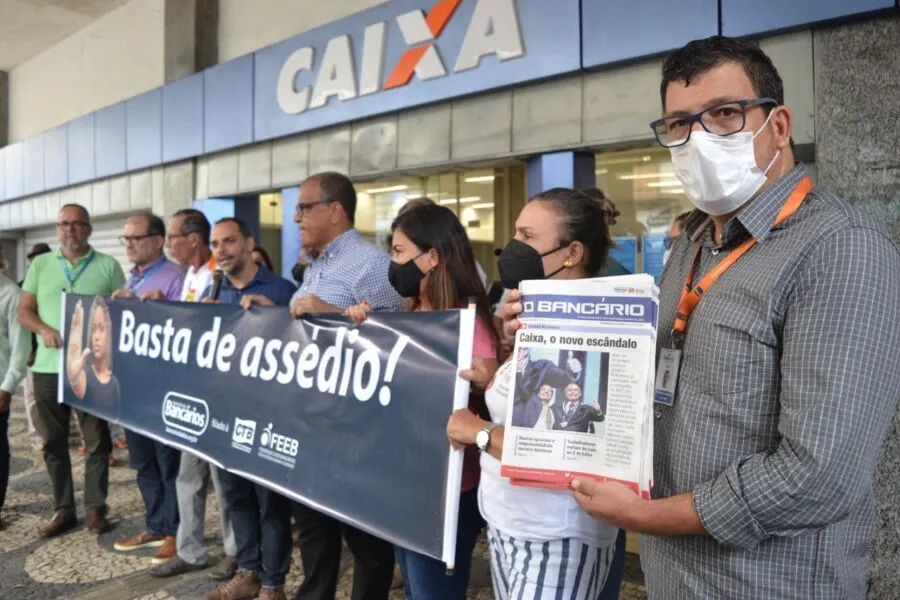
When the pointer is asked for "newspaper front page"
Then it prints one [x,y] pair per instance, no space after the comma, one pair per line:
[582,394]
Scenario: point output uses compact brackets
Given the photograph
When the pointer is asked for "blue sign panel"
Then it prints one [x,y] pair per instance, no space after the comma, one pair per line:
[654,251]
[33,157]
[406,53]
[82,166]
[183,118]
[56,157]
[741,18]
[144,130]
[618,31]
[625,252]
[228,105]
[109,140]
[13,168]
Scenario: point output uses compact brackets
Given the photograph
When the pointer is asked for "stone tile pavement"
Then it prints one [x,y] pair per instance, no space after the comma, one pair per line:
[82,566]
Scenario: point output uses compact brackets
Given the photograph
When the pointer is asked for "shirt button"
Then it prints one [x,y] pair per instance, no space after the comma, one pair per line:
[658,415]
[715,252]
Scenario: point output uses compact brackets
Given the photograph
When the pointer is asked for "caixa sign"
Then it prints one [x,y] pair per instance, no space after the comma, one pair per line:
[350,68]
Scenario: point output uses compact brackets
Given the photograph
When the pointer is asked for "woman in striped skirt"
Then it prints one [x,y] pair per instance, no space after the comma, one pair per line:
[542,545]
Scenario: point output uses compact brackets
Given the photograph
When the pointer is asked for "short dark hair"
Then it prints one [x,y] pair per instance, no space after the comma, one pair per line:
[701,56]
[337,187]
[84,211]
[610,212]
[582,220]
[242,225]
[194,221]
[155,225]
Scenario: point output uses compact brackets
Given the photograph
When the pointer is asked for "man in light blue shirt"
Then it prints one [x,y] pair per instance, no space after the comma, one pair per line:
[14,347]
[347,270]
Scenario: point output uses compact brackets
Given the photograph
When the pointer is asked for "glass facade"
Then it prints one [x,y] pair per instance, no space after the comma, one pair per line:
[482,198]
[642,184]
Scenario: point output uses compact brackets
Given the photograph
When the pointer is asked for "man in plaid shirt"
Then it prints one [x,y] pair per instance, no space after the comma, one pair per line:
[764,463]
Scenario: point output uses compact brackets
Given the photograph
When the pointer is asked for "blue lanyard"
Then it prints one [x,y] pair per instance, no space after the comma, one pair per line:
[135,285]
[73,278]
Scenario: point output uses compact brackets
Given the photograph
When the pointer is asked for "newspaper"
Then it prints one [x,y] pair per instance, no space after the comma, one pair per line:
[582,393]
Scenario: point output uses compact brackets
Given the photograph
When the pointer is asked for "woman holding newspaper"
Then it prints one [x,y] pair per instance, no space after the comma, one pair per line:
[433,266]
[542,544]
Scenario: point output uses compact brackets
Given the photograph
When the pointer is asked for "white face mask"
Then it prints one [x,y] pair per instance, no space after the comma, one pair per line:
[719,174]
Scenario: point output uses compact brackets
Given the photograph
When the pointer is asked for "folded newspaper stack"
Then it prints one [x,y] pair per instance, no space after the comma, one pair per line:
[582,395]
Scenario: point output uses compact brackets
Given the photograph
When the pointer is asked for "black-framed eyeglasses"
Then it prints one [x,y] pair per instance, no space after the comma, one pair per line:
[126,239]
[301,209]
[723,119]
[75,224]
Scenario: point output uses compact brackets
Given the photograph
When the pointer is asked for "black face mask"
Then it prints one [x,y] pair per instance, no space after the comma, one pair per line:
[406,277]
[520,262]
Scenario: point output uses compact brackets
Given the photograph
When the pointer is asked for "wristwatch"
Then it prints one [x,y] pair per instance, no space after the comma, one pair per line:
[483,437]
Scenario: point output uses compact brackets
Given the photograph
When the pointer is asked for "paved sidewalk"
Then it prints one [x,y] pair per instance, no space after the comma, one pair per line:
[82,566]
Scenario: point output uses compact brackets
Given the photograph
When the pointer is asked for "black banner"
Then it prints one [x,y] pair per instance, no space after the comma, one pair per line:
[348,419]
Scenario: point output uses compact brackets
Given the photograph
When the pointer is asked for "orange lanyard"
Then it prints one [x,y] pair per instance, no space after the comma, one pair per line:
[690,296]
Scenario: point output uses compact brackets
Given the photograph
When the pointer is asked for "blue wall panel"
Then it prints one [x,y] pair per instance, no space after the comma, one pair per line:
[33,158]
[549,33]
[2,174]
[614,31]
[109,139]
[56,158]
[13,168]
[741,18]
[143,130]
[82,165]
[182,114]
[228,105]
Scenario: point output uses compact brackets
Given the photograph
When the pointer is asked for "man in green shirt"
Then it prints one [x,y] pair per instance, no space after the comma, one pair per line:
[78,268]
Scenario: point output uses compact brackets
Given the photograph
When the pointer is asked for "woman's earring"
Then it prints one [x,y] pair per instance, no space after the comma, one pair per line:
[567,263]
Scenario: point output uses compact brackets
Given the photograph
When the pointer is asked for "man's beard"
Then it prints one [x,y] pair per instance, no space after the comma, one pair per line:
[74,246]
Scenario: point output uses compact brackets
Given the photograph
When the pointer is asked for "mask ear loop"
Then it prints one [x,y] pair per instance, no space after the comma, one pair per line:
[758,131]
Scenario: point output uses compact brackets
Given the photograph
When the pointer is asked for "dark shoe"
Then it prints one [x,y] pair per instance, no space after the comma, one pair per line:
[242,586]
[97,521]
[175,566]
[62,521]
[225,570]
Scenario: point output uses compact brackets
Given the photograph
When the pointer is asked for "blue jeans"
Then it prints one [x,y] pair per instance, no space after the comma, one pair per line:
[157,468]
[425,578]
[4,456]
[610,589]
[262,528]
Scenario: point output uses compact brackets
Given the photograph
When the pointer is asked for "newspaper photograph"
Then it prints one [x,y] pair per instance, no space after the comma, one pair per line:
[582,392]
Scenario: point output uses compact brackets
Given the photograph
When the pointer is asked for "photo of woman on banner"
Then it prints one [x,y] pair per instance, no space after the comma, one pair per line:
[434,268]
[90,371]
[536,367]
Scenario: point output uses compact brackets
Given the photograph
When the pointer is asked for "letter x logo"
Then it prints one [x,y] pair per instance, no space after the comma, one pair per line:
[416,28]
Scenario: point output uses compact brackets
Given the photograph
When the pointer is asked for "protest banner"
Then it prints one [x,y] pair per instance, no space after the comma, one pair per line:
[348,419]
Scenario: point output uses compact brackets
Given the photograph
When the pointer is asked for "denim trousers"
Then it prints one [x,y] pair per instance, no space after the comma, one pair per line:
[425,578]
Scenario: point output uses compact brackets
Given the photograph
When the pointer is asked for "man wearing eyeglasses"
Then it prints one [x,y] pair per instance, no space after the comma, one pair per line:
[780,301]
[156,464]
[78,268]
[347,270]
